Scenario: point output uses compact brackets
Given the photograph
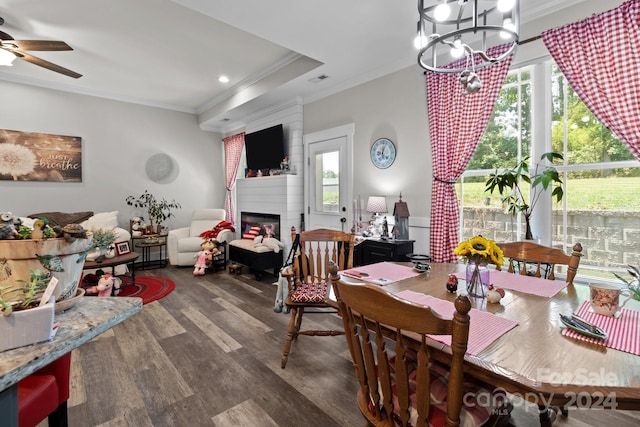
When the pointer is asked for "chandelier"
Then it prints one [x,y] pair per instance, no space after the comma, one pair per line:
[449,30]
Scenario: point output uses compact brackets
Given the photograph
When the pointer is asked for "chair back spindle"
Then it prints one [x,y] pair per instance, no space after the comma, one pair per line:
[532,259]
[389,373]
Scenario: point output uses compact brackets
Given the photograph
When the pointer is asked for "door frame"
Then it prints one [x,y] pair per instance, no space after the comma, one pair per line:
[344,131]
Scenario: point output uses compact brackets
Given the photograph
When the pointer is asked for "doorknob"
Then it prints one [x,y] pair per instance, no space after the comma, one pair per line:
[343,220]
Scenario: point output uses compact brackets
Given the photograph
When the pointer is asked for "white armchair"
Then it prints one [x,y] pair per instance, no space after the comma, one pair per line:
[184,243]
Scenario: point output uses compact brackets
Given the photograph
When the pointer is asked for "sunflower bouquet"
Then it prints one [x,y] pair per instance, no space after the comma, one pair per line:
[478,252]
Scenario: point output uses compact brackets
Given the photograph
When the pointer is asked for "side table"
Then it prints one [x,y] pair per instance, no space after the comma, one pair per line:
[146,244]
[219,261]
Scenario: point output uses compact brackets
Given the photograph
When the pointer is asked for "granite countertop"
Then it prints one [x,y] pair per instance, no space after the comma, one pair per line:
[90,317]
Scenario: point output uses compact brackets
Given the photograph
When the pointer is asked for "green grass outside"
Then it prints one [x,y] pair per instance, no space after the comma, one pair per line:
[620,194]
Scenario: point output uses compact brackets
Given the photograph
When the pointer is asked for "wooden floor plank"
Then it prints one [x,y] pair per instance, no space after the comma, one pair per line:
[244,414]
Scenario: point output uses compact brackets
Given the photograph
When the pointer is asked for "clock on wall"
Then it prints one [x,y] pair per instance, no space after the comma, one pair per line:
[383,153]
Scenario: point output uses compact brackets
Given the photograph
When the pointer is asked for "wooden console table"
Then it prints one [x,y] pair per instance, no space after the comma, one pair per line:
[371,251]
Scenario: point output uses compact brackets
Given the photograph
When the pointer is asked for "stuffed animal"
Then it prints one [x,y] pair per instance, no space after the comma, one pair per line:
[108,285]
[270,242]
[281,295]
[201,263]
[8,229]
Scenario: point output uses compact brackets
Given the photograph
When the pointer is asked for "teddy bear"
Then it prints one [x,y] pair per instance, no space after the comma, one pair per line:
[270,242]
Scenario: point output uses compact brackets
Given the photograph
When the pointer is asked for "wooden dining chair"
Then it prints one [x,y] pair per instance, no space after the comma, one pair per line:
[308,279]
[399,383]
[532,259]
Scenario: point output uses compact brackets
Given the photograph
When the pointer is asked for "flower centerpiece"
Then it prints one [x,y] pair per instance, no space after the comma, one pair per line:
[478,252]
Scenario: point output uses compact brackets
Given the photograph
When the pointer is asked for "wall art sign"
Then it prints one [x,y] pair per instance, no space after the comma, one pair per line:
[30,156]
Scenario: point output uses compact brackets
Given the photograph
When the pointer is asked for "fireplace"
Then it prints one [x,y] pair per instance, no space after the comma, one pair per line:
[257,258]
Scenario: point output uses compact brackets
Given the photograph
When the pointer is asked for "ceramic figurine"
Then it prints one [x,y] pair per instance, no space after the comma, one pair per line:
[452,283]
[494,295]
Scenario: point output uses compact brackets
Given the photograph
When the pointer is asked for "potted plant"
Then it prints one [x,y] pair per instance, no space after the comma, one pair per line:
[61,252]
[23,320]
[634,283]
[509,181]
[102,239]
[158,210]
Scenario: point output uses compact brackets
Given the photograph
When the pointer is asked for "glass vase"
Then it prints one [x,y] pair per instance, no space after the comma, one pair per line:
[477,279]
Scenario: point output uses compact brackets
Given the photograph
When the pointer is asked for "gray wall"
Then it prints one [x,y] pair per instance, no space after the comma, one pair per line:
[117,139]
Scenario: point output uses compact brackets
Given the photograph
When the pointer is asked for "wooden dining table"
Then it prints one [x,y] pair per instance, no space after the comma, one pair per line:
[534,360]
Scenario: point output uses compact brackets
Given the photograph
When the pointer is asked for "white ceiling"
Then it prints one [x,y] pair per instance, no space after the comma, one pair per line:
[169,53]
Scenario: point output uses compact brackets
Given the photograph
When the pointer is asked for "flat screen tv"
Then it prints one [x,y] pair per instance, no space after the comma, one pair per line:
[265,148]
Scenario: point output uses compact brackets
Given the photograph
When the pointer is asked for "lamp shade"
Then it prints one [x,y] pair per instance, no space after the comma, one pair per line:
[377,204]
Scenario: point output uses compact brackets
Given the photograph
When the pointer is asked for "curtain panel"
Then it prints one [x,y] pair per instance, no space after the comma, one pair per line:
[233,146]
[456,123]
[600,59]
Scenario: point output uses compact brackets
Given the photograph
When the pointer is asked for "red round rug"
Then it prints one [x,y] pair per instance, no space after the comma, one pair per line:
[149,288]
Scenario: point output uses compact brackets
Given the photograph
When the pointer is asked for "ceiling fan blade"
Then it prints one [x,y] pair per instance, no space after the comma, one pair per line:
[46,64]
[40,45]
[5,36]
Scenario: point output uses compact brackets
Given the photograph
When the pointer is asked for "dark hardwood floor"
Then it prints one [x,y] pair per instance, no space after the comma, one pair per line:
[208,354]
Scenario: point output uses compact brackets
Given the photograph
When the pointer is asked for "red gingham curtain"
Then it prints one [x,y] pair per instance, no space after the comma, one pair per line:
[600,59]
[232,152]
[456,124]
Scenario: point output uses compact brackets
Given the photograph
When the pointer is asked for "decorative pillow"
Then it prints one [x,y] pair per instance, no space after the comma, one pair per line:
[107,220]
[250,232]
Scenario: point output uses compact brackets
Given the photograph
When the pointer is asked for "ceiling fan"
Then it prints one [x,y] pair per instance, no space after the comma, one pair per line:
[18,48]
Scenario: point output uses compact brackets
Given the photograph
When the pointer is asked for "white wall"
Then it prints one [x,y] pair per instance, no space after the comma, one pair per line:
[394,107]
[117,139]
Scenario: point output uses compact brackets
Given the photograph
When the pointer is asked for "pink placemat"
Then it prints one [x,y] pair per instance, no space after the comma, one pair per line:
[484,327]
[527,284]
[381,273]
[623,332]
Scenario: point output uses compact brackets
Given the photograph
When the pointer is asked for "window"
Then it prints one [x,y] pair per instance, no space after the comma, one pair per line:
[600,208]
[327,181]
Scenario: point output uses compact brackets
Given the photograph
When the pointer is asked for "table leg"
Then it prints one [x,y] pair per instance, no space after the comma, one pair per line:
[133,272]
[9,406]
[547,415]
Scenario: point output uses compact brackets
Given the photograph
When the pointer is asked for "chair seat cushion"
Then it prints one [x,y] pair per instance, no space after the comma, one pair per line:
[476,397]
[249,245]
[37,398]
[310,293]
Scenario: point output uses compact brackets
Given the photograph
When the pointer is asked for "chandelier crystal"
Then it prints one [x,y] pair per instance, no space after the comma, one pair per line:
[450,29]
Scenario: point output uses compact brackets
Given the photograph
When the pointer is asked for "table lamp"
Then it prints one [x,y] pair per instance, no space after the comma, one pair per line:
[376,205]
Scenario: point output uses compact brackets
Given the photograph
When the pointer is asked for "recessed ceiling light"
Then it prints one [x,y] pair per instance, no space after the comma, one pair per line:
[223,79]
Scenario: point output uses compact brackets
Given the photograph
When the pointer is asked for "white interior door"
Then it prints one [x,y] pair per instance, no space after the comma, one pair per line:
[328,179]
